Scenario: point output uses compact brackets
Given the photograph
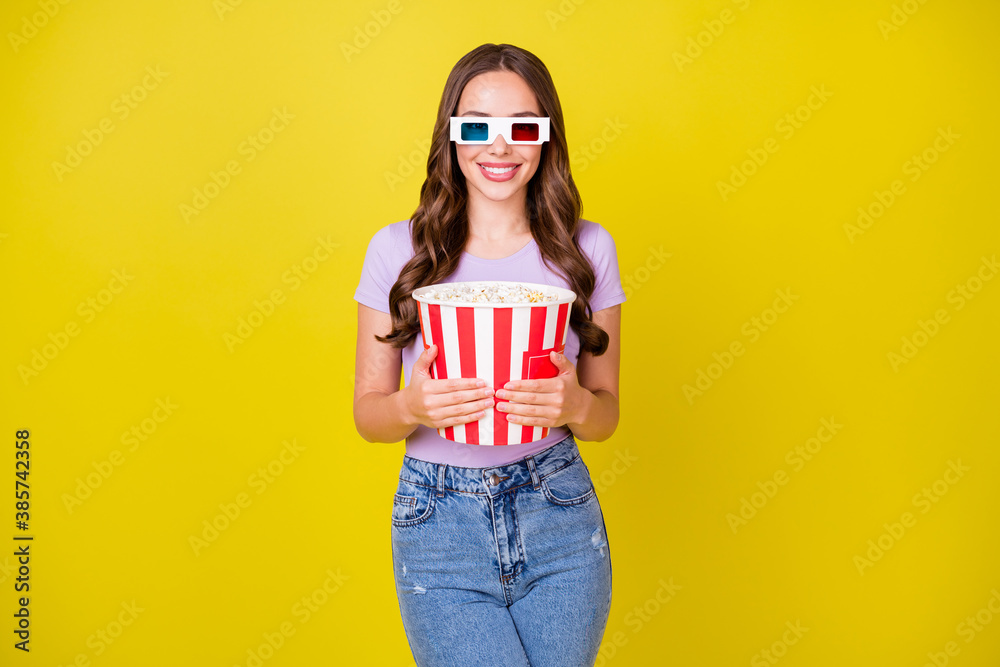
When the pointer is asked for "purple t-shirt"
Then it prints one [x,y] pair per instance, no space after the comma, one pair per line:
[391,247]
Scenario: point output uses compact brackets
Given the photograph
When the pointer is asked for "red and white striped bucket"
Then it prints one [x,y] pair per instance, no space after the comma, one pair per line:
[498,343]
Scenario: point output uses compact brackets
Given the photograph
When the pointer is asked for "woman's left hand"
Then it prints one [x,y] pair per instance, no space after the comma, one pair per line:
[546,402]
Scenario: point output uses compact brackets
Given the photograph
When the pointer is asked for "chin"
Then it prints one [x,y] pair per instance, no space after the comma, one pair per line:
[499,194]
[497,191]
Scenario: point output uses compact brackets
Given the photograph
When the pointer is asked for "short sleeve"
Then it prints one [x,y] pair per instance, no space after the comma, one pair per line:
[377,277]
[604,257]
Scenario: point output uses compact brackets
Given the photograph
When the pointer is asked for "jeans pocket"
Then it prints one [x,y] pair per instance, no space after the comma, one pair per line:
[413,504]
[570,485]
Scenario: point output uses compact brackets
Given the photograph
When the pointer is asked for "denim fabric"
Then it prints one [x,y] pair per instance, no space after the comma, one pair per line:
[507,565]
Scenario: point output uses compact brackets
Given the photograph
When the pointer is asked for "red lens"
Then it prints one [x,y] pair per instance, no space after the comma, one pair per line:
[524,132]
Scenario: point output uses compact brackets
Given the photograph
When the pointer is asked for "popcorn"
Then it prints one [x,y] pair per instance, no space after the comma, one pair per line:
[489,292]
[497,331]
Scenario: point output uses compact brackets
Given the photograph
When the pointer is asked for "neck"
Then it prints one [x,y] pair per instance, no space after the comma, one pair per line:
[497,220]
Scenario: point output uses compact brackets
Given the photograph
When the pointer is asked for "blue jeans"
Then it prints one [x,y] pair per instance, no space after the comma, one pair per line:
[504,566]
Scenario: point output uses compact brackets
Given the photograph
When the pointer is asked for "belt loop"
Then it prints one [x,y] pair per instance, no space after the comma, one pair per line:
[442,467]
[534,473]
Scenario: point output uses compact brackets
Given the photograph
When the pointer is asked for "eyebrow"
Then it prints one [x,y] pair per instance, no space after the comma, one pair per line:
[519,114]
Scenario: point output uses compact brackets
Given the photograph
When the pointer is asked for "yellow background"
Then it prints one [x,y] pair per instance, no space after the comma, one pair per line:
[344,166]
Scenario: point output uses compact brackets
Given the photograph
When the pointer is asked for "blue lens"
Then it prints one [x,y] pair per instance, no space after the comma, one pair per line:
[475,132]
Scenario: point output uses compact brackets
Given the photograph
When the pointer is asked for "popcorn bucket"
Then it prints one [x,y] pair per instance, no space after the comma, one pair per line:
[495,341]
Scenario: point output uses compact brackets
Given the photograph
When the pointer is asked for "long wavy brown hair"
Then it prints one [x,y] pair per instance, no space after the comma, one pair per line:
[439,227]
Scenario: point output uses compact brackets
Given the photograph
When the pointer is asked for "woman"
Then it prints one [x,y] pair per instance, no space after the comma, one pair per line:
[500,552]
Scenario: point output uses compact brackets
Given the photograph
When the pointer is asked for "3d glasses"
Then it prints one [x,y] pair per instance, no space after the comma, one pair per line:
[484,129]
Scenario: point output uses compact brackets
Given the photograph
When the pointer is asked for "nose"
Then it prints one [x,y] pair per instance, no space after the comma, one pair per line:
[499,146]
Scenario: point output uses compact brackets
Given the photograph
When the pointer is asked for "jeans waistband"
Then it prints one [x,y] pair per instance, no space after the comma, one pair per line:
[493,480]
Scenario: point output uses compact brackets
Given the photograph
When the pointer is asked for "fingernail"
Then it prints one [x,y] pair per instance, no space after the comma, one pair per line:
[481,383]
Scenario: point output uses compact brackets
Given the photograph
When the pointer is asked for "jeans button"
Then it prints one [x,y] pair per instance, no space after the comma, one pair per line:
[494,479]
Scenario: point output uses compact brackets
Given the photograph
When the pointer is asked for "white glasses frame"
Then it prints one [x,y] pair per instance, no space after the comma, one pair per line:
[497,125]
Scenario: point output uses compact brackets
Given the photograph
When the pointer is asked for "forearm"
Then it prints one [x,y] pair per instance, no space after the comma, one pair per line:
[599,416]
[383,418]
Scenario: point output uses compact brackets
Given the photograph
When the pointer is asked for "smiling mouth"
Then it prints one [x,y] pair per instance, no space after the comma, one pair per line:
[499,170]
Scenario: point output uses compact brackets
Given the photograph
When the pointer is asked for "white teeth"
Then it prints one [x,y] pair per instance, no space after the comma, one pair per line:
[494,170]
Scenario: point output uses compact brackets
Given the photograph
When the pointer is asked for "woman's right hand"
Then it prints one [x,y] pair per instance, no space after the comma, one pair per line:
[443,403]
